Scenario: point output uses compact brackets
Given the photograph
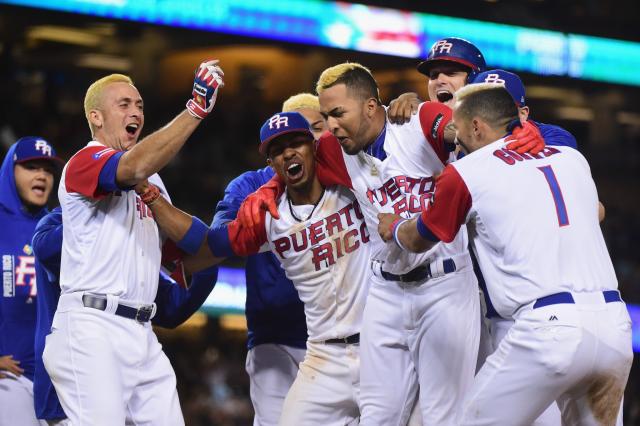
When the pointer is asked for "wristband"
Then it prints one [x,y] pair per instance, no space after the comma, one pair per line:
[150,195]
[192,240]
[394,229]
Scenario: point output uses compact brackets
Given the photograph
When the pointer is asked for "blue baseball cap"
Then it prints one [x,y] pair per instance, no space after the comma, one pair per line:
[511,82]
[34,148]
[280,124]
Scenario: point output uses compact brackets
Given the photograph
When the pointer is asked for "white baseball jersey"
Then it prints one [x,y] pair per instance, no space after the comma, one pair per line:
[520,214]
[402,183]
[111,243]
[326,255]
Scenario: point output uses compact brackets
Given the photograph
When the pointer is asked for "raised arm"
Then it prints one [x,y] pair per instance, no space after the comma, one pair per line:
[157,149]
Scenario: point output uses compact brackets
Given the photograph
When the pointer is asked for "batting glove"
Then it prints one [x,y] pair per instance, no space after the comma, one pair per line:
[263,199]
[206,84]
[526,138]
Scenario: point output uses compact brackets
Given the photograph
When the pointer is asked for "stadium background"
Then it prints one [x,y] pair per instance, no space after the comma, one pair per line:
[270,50]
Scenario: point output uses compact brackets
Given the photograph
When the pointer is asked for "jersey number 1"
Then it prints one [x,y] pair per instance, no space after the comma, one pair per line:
[561,208]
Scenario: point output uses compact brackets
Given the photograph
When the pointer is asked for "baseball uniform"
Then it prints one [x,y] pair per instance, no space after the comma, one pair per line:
[546,265]
[277,328]
[18,301]
[174,304]
[421,323]
[104,360]
[497,327]
[323,249]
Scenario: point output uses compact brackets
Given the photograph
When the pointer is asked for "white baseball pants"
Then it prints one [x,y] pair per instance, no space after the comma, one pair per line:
[576,354]
[419,336]
[326,389]
[272,368]
[16,402]
[108,370]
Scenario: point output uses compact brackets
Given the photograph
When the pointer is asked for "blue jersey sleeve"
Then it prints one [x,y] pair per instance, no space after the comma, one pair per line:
[236,192]
[47,242]
[176,304]
[556,135]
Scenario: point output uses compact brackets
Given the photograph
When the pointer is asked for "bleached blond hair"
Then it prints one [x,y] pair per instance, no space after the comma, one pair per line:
[357,78]
[469,89]
[301,101]
[93,97]
[489,101]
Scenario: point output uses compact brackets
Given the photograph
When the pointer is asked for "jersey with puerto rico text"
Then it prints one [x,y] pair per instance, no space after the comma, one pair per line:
[324,250]
[273,309]
[533,222]
[395,175]
[111,243]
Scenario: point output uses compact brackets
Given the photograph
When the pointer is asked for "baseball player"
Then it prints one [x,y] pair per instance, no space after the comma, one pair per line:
[417,305]
[110,260]
[322,243]
[26,180]
[277,328]
[571,339]
[175,304]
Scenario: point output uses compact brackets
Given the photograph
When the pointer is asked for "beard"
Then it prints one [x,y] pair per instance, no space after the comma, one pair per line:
[463,145]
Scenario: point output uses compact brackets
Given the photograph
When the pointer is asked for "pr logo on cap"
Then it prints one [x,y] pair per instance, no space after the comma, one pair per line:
[280,124]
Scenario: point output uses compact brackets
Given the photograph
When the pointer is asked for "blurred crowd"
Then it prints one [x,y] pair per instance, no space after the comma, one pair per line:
[212,383]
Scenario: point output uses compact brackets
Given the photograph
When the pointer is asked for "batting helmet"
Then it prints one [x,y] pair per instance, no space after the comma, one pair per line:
[457,50]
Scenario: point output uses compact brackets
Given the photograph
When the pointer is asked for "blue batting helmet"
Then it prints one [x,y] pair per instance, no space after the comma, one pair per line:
[456,50]
[511,82]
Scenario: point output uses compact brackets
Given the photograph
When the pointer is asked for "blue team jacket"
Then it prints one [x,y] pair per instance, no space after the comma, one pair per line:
[18,301]
[174,304]
[274,311]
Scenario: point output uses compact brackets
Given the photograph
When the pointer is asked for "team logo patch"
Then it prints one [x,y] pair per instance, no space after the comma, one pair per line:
[27,250]
[436,125]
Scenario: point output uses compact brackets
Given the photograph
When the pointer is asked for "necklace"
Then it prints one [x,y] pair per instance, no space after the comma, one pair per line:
[312,210]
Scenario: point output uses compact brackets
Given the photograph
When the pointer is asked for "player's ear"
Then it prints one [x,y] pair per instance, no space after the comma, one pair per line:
[95,117]
[270,164]
[371,105]
[476,126]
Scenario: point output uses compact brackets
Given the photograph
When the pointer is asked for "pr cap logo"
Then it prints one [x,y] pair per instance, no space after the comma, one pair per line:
[442,46]
[277,120]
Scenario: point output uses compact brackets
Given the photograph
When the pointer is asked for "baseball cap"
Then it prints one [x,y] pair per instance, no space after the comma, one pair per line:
[511,82]
[34,148]
[280,124]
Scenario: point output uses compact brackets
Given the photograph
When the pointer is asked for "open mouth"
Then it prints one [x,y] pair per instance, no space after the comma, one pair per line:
[132,128]
[294,171]
[38,190]
[444,96]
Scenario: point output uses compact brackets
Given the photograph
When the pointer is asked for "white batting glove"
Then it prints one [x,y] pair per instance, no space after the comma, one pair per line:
[207,82]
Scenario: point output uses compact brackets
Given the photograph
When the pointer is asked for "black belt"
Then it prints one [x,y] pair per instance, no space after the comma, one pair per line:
[420,273]
[610,296]
[350,340]
[141,314]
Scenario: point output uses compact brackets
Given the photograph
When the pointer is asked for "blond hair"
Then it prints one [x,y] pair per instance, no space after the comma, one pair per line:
[470,89]
[489,101]
[300,101]
[93,97]
[354,76]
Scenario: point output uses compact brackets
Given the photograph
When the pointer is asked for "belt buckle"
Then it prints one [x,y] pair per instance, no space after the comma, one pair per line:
[143,314]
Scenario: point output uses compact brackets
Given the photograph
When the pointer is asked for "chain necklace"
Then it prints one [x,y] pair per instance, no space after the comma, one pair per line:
[312,210]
